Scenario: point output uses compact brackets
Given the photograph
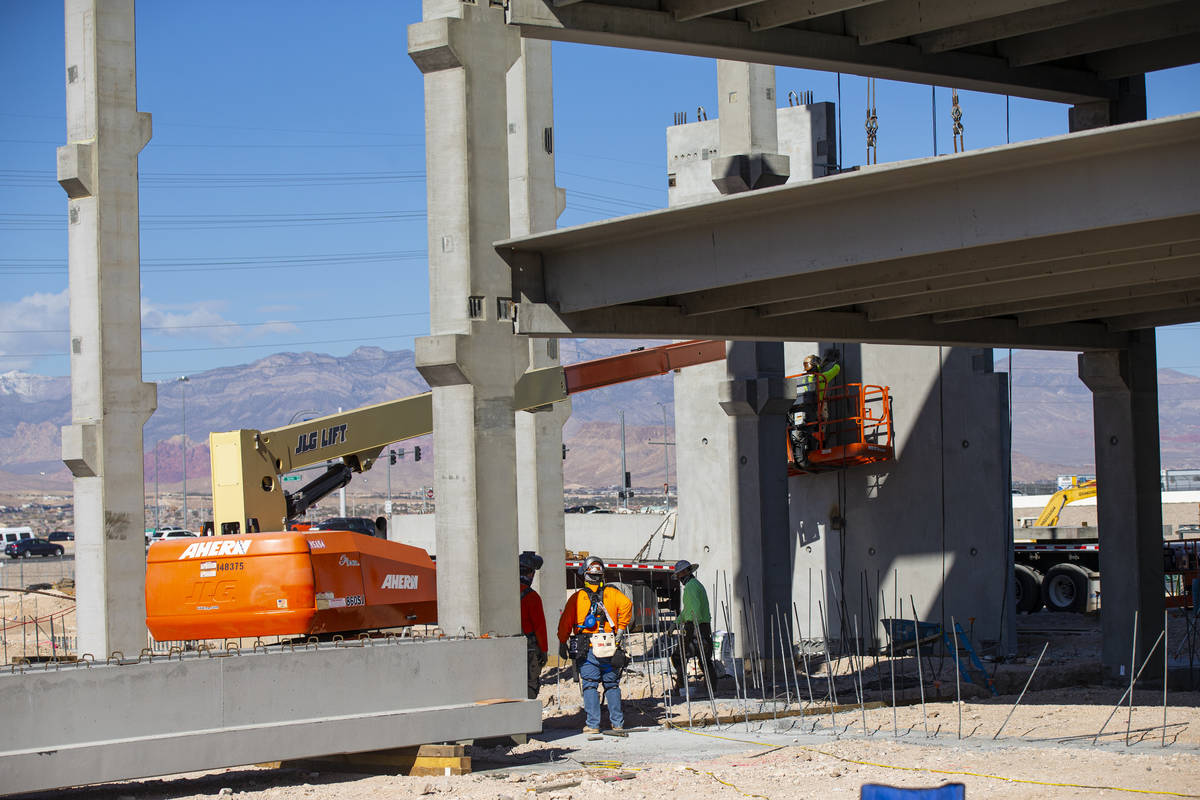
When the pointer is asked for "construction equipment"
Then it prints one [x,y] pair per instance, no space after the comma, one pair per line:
[1076,491]
[308,583]
[852,428]
[247,464]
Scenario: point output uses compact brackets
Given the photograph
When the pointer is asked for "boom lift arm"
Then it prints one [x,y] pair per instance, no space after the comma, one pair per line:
[247,464]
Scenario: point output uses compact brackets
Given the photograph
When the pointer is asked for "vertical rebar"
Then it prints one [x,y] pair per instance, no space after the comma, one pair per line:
[1166,658]
[687,694]
[791,657]
[891,666]
[774,694]
[957,676]
[828,668]
[787,692]
[803,655]
[920,674]
[1028,681]
[1132,662]
[1129,691]
[705,667]
[858,649]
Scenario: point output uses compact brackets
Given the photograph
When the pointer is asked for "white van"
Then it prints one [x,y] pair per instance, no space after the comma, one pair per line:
[10,535]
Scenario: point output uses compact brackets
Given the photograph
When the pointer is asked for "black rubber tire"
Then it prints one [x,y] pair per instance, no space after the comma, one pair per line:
[27,554]
[1065,589]
[58,551]
[1028,583]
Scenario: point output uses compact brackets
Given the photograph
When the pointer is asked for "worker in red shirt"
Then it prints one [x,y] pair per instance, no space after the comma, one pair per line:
[533,621]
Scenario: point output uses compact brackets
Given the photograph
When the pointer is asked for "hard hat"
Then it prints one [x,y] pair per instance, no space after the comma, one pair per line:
[529,561]
[592,567]
[684,568]
[811,361]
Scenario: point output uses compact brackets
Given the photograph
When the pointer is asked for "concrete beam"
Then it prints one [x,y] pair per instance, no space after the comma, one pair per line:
[773,13]
[662,322]
[903,276]
[1124,386]
[1142,58]
[98,169]
[81,725]
[1155,298]
[1105,33]
[685,10]
[870,288]
[1043,18]
[1013,294]
[1074,185]
[900,18]
[713,37]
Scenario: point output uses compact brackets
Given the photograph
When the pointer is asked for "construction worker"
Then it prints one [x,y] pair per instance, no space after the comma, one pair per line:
[694,624]
[811,409]
[590,613]
[533,621]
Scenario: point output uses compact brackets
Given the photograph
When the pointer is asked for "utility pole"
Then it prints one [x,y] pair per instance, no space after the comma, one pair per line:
[183,382]
[666,445]
[156,485]
[623,492]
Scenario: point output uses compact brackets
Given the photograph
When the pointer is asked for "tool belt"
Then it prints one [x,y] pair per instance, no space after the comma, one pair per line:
[604,645]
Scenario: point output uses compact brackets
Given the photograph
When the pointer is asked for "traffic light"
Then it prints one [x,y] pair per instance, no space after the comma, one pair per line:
[416,454]
[392,456]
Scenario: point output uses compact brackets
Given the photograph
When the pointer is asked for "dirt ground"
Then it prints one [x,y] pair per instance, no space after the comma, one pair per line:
[1048,747]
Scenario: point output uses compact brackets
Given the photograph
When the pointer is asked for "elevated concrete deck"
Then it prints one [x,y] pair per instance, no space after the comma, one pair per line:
[1063,242]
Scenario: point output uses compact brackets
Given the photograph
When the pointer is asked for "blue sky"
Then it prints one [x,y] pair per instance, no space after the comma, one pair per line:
[283,195]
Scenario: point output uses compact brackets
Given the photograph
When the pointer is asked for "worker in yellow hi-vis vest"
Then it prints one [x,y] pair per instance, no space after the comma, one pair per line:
[811,409]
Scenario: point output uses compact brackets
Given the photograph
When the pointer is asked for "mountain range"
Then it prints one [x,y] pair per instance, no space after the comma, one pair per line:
[1052,426]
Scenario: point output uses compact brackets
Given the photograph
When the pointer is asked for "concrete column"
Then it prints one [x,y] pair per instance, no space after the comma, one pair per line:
[534,205]
[755,399]
[754,396]
[1124,388]
[749,156]
[472,360]
[109,402]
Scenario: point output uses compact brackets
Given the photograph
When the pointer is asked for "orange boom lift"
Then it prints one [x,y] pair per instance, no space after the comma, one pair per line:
[244,583]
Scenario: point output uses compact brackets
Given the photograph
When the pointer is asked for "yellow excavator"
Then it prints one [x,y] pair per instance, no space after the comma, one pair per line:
[1076,491]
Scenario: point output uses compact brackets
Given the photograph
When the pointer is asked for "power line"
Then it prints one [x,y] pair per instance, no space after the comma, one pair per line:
[232,347]
[356,318]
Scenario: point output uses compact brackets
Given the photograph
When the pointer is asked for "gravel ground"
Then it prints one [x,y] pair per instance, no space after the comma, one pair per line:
[1046,749]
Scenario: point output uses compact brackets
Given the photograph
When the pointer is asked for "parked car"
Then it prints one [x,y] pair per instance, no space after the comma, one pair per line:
[61,536]
[28,548]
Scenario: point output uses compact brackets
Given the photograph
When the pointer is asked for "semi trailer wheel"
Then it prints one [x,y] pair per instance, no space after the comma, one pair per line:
[1028,589]
[1065,588]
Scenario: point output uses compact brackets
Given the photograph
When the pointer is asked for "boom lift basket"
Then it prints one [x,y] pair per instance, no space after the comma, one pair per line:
[853,427]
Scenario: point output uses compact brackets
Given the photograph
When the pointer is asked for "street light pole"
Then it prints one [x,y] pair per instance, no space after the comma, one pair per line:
[183,382]
[666,458]
[156,486]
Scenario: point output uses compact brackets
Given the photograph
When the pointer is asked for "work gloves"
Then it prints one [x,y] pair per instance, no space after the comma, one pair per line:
[562,651]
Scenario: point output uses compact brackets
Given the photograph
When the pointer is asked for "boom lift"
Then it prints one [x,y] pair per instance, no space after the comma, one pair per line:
[245,583]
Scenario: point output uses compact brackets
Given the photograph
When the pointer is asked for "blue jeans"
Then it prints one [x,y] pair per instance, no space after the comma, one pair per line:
[594,671]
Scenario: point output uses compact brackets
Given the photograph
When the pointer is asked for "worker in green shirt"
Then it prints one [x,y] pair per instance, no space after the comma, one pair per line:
[694,623]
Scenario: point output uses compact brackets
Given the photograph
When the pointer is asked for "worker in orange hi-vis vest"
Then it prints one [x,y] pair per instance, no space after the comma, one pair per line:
[590,630]
[533,621]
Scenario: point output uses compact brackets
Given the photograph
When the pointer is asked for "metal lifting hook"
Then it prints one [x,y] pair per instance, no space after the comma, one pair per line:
[956,115]
[872,124]
[701,114]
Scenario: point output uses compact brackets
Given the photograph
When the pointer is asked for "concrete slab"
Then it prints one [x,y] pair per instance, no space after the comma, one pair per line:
[80,725]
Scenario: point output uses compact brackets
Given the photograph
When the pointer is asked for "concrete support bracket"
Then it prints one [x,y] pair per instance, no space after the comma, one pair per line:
[77,169]
[439,44]
[747,397]
[80,451]
[741,173]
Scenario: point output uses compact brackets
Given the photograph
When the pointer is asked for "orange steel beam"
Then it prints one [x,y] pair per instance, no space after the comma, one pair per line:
[640,364]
